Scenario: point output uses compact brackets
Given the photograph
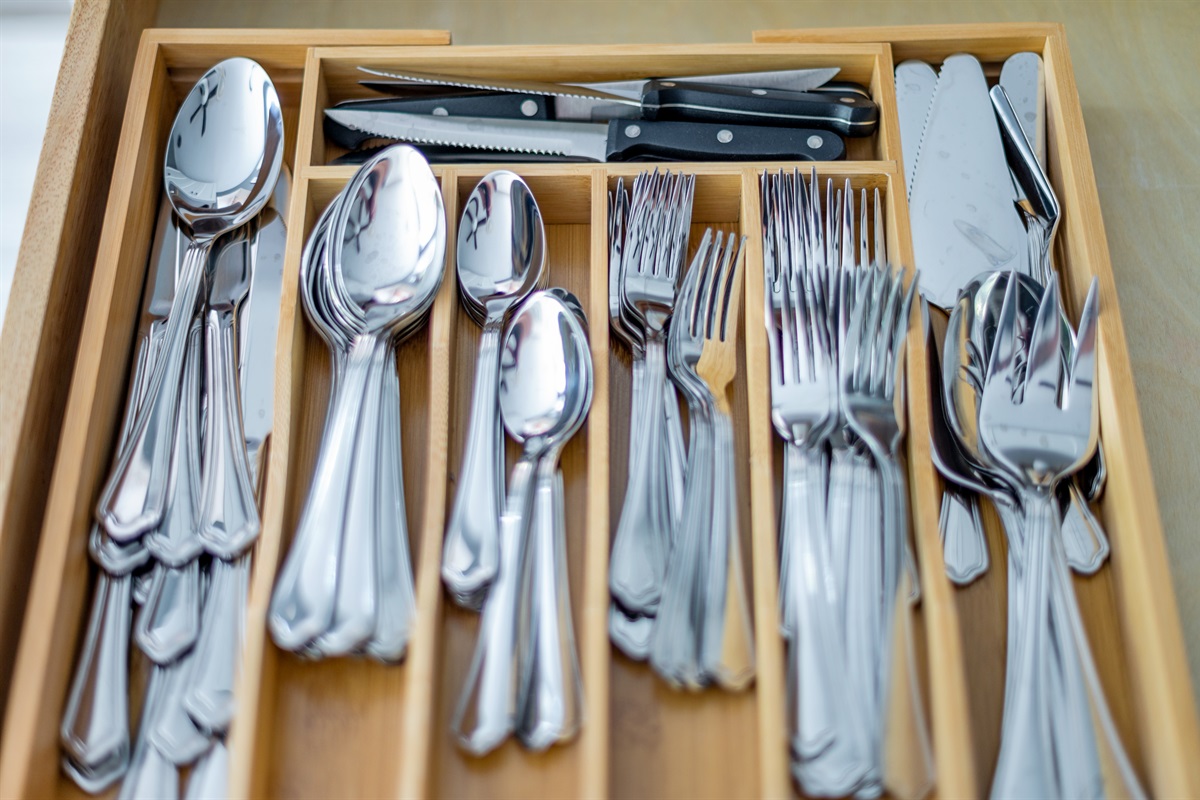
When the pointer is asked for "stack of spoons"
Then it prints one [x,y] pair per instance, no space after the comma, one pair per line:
[181,503]
[369,275]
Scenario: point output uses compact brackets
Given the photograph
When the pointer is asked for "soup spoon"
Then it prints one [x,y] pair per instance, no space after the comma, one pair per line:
[223,158]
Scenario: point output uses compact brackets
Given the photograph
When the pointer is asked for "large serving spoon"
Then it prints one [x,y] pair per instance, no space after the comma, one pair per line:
[544,375]
[386,253]
[501,253]
[222,161]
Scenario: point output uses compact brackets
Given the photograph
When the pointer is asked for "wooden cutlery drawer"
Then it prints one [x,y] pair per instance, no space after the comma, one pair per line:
[348,727]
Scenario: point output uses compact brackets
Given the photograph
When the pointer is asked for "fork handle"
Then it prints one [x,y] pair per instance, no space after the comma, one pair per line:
[639,555]
[1025,765]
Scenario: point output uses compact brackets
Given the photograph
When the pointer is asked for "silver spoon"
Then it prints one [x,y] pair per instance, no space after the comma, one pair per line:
[222,161]
[550,689]
[501,254]
[544,375]
[387,253]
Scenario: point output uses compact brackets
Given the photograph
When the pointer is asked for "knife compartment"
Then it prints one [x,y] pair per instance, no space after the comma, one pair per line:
[338,75]
[347,727]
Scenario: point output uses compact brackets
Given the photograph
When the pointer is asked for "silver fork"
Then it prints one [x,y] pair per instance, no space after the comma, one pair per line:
[1041,433]
[871,361]
[828,751]
[655,245]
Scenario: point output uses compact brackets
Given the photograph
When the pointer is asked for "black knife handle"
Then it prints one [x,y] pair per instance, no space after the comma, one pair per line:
[700,141]
[506,105]
[846,113]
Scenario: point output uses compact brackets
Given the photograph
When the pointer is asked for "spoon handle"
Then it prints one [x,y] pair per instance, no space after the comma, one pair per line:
[95,726]
[397,598]
[550,704]
[470,554]
[209,699]
[486,711]
[229,521]
[356,606]
[175,541]
[302,604]
[134,497]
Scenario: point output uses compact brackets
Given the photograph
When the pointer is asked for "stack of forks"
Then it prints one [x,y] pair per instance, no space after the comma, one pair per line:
[678,587]
[837,317]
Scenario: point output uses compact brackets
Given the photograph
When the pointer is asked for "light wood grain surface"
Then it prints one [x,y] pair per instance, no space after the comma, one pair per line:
[1141,105]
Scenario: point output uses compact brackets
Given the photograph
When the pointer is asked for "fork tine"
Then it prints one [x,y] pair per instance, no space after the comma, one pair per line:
[733,286]
[900,337]
[883,335]
[712,301]
[1004,349]
[700,267]
[1083,365]
[872,342]
[864,247]
[1043,371]
[851,355]
[880,234]
[848,249]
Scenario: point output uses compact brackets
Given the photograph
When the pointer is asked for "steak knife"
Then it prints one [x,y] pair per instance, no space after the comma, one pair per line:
[796,80]
[845,113]
[618,140]
[701,99]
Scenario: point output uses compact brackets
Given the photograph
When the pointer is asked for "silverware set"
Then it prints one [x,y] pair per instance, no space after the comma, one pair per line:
[524,677]
[676,577]
[837,316]
[1015,419]
[178,515]
[370,273]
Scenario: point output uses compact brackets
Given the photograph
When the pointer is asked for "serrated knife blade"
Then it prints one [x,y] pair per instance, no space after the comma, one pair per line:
[915,82]
[964,220]
[616,140]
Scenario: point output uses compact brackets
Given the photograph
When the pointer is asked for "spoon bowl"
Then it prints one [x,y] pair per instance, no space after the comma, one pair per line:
[544,373]
[501,245]
[226,148]
[388,241]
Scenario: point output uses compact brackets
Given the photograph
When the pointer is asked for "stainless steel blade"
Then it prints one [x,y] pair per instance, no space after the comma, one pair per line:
[964,220]
[166,254]
[528,87]
[1024,80]
[569,139]
[593,102]
[796,80]
[258,325]
[915,83]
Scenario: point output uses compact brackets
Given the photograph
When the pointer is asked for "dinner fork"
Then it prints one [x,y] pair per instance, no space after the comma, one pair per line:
[655,245]
[871,397]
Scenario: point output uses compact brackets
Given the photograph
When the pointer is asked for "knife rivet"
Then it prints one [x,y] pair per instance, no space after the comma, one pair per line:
[633,131]
[529,108]
[667,84]
[758,91]
[847,100]
[815,141]
[724,136]
[440,112]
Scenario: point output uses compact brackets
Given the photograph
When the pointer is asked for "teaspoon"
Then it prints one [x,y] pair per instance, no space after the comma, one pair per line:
[501,253]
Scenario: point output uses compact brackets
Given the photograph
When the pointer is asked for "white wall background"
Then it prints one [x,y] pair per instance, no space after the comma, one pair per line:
[31,45]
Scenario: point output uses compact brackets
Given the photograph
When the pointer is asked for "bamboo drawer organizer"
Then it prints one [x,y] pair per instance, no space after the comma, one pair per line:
[354,728]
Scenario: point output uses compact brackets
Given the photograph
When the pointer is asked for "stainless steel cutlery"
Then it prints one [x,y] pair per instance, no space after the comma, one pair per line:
[179,501]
